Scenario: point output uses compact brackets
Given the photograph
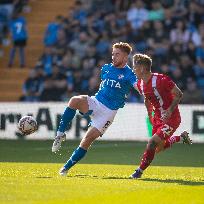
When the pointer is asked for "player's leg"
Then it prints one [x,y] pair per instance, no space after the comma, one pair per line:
[76,103]
[148,155]
[12,56]
[22,56]
[102,118]
[167,143]
[167,132]
[91,135]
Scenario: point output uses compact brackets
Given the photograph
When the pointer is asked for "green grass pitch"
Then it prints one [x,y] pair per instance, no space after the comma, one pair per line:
[29,174]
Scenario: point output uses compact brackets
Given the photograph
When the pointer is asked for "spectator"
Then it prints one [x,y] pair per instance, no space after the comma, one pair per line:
[4,19]
[199,71]
[186,65]
[32,87]
[157,11]
[103,44]
[47,60]
[7,6]
[168,20]
[179,78]
[79,82]
[80,45]
[192,95]
[51,32]
[193,13]
[19,37]
[61,44]
[80,12]
[190,51]
[197,35]
[165,69]
[159,40]
[180,34]
[20,5]
[175,52]
[199,67]
[200,53]
[142,37]
[121,5]
[54,86]
[179,9]
[91,27]
[71,60]
[102,5]
[93,85]
[137,14]
[92,56]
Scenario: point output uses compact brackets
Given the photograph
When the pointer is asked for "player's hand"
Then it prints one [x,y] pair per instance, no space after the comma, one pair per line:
[166,115]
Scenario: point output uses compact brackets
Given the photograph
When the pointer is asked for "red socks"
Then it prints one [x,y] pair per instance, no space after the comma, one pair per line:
[147,158]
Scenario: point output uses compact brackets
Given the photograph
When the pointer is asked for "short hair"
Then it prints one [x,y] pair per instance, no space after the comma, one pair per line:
[125,47]
[142,59]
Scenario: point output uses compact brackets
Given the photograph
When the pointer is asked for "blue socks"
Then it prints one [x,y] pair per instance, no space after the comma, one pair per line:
[77,155]
[67,117]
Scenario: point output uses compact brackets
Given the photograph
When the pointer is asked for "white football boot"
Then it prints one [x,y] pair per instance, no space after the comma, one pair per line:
[57,142]
[63,171]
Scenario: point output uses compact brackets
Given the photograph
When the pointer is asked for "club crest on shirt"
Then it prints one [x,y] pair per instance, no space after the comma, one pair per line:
[120,76]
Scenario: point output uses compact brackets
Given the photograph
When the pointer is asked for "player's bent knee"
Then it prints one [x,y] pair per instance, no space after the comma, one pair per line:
[74,102]
[152,144]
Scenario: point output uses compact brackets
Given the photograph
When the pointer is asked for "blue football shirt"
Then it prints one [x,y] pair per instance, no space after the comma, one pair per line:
[18,29]
[115,86]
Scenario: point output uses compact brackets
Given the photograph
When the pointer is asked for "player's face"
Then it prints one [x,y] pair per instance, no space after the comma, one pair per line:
[119,58]
[138,71]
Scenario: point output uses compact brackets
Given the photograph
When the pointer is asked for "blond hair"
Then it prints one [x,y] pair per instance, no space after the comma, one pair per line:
[125,47]
[144,60]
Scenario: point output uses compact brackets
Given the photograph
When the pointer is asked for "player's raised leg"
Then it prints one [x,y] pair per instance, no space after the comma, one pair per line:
[167,143]
[76,103]
[92,134]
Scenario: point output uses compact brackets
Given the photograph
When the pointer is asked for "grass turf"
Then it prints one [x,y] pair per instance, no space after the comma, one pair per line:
[28,174]
[93,183]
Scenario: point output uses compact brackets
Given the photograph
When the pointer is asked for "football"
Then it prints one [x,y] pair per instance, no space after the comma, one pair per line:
[27,125]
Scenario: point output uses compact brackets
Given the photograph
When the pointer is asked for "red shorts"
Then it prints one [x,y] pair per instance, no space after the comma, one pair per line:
[165,130]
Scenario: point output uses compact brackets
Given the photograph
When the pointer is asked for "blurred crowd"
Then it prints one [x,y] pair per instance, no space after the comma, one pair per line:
[78,44]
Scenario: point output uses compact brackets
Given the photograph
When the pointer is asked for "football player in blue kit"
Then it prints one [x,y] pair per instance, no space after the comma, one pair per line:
[117,80]
[19,37]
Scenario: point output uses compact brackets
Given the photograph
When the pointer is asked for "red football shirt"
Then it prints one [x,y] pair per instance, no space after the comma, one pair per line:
[158,91]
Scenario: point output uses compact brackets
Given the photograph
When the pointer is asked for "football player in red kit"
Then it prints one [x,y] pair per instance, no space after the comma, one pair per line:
[162,96]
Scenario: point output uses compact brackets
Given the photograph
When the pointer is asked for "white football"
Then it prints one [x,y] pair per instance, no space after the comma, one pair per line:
[27,125]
